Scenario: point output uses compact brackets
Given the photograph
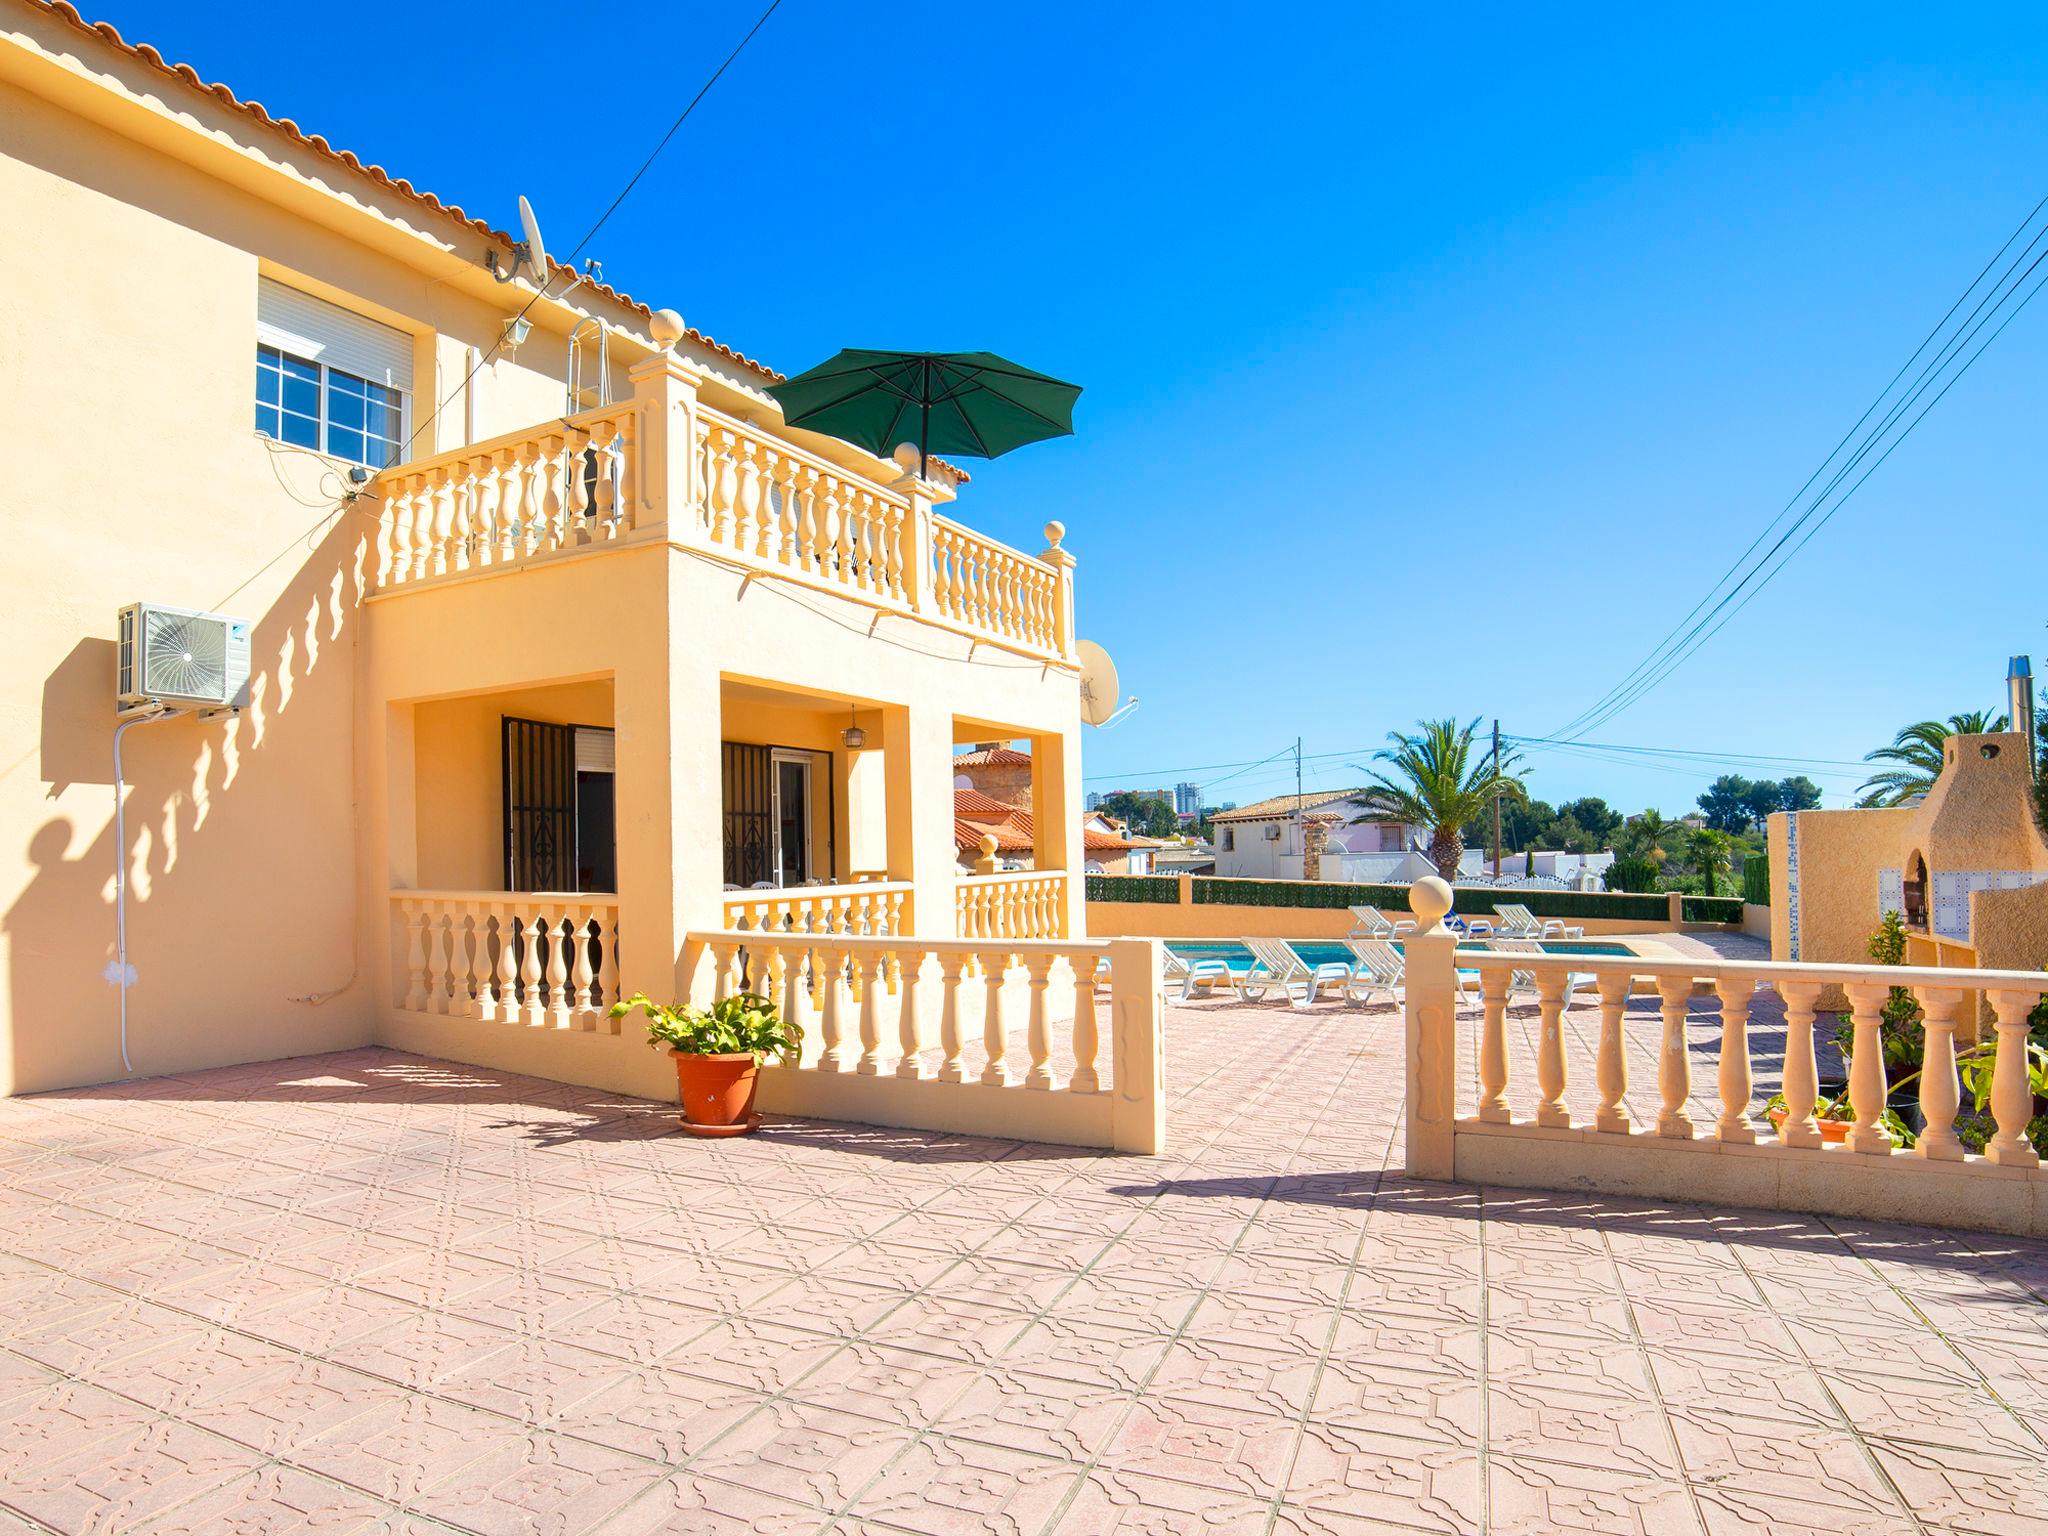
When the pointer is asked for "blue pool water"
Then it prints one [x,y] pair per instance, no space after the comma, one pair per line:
[1322,952]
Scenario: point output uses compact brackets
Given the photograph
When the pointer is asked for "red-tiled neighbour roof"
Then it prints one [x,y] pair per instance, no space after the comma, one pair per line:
[992,757]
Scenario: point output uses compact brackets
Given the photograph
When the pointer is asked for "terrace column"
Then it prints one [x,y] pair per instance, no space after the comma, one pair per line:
[1056,822]
[917,758]
[1432,1032]
[664,497]
[1063,601]
[670,811]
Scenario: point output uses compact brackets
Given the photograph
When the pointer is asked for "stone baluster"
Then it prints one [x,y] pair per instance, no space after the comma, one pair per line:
[551,924]
[489,512]
[952,1045]
[1493,1044]
[1674,1061]
[1866,1068]
[1550,1079]
[549,535]
[725,486]
[531,1012]
[439,959]
[995,1025]
[422,539]
[911,972]
[873,970]
[804,483]
[1802,1072]
[607,964]
[1038,968]
[462,514]
[775,528]
[1737,992]
[893,522]
[515,512]
[414,915]
[576,482]
[2012,1093]
[476,987]
[443,512]
[1940,1095]
[1087,1037]
[796,994]
[506,995]
[749,523]
[391,556]
[837,1055]
[583,1003]
[942,570]
[605,500]
[830,564]
[1611,1069]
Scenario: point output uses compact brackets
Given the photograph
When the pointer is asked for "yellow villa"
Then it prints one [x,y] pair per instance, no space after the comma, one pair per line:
[566,661]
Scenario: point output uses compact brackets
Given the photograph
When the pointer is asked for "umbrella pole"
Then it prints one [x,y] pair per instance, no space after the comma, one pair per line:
[924,422]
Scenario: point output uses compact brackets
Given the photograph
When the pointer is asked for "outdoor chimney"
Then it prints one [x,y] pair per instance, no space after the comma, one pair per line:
[2019,688]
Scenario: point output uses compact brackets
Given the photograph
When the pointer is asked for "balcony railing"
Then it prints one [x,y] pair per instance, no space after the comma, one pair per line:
[532,958]
[1540,1133]
[1023,904]
[920,1032]
[666,466]
[877,907]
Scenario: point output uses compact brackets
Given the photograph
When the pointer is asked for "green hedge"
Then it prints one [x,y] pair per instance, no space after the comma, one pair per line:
[1471,902]
[1756,881]
[1710,909]
[1155,888]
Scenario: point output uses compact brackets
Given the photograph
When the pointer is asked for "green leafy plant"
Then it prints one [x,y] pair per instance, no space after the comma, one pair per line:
[1756,881]
[1438,779]
[743,1022]
[1632,875]
[1140,888]
[1913,760]
[1707,848]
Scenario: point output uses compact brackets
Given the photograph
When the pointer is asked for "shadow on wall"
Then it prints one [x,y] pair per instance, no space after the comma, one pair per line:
[242,864]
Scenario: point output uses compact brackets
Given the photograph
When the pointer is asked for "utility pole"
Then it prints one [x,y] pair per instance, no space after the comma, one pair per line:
[1300,822]
[1496,798]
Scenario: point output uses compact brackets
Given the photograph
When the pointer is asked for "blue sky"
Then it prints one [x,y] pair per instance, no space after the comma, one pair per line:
[1435,364]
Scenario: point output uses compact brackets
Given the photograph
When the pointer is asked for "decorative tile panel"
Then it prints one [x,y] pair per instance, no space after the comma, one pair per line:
[1951,915]
[1891,892]
[1792,883]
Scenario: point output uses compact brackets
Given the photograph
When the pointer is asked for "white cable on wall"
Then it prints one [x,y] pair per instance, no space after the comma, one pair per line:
[120,972]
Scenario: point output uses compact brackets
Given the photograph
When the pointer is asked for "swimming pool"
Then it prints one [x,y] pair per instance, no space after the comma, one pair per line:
[1324,952]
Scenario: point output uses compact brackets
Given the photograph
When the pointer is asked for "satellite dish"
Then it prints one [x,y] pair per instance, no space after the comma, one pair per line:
[1098,683]
[533,255]
[961,781]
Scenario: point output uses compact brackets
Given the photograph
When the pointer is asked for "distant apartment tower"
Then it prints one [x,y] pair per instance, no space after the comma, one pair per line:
[1095,798]
[1187,799]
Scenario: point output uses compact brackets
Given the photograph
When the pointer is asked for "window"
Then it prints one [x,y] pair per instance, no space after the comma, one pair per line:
[328,379]
[1230,839]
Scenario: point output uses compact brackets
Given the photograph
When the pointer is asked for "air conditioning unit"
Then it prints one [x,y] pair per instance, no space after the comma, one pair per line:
[182,658]
[1272,834]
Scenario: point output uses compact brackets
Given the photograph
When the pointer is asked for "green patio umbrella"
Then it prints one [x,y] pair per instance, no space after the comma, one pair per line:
[971,404]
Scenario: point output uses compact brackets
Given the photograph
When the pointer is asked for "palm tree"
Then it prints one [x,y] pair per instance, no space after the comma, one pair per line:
[1438,781]
[1914,758]
[1641,837]
[1707,851]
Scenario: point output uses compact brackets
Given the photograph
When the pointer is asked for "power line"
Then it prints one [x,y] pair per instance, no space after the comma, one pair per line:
[1665,657]
[591,233]
[1770,575]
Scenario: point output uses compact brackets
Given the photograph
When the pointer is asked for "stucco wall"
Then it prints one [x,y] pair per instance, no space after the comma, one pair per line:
[1840,853]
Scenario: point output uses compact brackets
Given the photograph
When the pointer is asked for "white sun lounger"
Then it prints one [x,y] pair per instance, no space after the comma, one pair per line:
[1521,983]
[1380,968]
[1371,923]
[1195,973]
[1518,922]
[1275,965]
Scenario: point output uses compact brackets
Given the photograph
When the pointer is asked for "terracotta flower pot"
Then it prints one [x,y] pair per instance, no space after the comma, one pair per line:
[1830,1130]
[717,1092]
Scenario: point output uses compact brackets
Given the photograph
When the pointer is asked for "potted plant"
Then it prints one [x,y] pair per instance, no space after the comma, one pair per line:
[717,1051]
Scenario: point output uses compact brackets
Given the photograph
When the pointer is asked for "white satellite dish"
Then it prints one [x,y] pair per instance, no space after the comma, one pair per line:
[533,255]
[1098,685]
[529,256]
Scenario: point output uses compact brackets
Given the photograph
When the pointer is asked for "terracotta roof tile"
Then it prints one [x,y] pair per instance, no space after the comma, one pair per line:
[967,834]
[993,757]
[1285,805]
[974,805]
[256,112]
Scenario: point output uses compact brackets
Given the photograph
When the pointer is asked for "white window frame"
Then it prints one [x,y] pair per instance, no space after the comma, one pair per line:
[808,761]
[299,350]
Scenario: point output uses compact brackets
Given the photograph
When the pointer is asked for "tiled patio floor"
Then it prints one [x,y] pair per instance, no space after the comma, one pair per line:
[372,1292]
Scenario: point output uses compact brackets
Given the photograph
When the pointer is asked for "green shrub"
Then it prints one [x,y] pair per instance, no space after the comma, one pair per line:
[742,1022]
[1639,875]
[1756,881]
[1710,909]
[1164,889]
[1210,890]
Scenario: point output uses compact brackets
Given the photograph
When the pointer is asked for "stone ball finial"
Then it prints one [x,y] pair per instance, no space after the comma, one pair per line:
[988,845]
[1054,532]
[907,457]
[1429,899]
[666,327]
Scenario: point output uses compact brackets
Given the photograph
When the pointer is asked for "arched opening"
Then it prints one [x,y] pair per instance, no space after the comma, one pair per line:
[1915,892]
